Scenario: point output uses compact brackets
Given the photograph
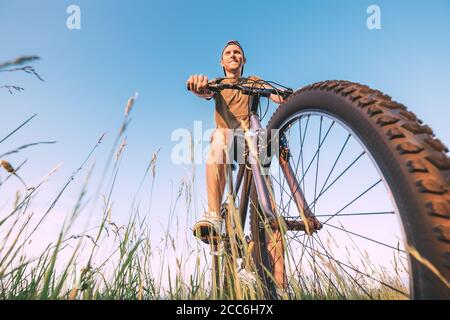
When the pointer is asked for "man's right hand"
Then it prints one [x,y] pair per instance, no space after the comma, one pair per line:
[197,84]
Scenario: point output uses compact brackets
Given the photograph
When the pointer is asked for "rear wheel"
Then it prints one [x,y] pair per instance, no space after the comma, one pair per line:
[377,179]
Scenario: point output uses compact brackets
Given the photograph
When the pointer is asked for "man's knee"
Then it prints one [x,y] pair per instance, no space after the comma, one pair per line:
[218,147]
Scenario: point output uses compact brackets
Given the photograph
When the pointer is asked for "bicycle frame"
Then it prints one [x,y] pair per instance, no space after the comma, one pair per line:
[263,189]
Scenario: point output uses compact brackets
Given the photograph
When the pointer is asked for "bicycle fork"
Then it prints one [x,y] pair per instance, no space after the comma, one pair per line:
[309,222]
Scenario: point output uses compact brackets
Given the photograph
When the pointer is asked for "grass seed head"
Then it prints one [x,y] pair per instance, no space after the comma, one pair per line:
[7,166]
[130,104]
[121,148]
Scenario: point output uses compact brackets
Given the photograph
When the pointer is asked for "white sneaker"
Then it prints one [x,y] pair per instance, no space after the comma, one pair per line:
[247,278]
[209,228]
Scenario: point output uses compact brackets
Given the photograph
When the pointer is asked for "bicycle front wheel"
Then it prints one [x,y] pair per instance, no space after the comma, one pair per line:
[377,179]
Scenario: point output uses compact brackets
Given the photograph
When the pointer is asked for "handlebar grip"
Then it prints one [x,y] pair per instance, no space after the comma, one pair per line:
[208,87]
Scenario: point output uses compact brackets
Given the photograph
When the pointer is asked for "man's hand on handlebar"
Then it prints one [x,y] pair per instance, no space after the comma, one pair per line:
[198,85]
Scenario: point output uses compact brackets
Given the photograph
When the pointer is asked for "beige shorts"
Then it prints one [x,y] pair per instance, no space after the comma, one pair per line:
[234,142]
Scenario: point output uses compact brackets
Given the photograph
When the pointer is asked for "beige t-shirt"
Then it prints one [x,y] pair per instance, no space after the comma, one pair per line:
[232,107]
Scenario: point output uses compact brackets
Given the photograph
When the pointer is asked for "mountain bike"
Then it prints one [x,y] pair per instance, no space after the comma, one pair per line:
[343,177]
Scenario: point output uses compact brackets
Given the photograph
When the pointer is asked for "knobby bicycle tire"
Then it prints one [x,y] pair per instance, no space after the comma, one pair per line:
[413,162]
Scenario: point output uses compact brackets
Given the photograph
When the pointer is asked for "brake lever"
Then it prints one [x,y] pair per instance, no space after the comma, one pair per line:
[287,93]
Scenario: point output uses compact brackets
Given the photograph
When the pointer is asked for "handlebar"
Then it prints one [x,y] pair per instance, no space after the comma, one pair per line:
[258,90]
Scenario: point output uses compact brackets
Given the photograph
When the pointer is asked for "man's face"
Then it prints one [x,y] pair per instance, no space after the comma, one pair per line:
[232,58]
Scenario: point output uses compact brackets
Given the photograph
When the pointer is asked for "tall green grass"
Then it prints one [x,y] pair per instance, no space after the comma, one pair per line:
[122,261]
[181,272]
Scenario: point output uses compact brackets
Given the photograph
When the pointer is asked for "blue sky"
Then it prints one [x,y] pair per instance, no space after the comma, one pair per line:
[151,47]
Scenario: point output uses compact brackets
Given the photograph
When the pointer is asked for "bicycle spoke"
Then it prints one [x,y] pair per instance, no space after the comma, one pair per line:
[368,276]
[314,265]
[284,190]
[296,165]
[286,208]
[312,258]
[288,193]
[349,275]
[324,273]
[315,154]
[297,265]
[358,271]
[308,257]
[334,164]
[312,160]
[358,214]
[312,205]
[337,178]
[317,164]
[346,214]
[303,249]
[302,140]
[366,238]
[354,200]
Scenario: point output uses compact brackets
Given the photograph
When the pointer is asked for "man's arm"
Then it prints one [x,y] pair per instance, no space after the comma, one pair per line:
[197,85]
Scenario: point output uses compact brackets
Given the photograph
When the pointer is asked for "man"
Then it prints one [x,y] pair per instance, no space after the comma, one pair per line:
[231,112]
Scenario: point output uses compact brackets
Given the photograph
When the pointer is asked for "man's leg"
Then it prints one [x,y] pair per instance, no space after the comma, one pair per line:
[215,170]
[209,227]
